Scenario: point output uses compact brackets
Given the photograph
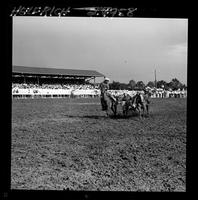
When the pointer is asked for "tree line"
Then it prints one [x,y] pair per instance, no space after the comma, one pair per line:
[174,84]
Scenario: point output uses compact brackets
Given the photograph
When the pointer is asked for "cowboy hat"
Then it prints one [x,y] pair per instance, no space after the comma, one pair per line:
[107,79]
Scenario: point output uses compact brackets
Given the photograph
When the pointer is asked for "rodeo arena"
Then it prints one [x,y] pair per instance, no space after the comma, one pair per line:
[63,140]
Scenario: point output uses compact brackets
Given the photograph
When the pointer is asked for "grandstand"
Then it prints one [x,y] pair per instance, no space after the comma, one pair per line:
[42,75]
[52,82]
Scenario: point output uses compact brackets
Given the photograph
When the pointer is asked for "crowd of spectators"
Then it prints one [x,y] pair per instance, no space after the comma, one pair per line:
[54,90]
[80,89]
[53,86]
[162,93]
[154,93]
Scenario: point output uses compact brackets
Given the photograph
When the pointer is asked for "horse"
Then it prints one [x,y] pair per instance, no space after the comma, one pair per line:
[112,103]
[142,104]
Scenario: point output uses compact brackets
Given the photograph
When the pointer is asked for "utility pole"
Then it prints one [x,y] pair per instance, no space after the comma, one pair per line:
[155,79]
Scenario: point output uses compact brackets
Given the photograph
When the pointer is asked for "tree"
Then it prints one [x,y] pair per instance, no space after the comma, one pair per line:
[123,86]
[114,85]
[183,87]
[175,84]
[140,85]
[131,84]
[161,84]
[151,84]
[118,86]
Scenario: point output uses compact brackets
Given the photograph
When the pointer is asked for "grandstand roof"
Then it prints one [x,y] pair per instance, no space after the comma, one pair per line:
[55,71]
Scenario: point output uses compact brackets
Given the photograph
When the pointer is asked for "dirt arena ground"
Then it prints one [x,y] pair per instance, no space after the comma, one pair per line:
[70,144]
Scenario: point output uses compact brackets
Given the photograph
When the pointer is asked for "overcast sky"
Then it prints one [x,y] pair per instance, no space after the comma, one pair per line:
[120,48]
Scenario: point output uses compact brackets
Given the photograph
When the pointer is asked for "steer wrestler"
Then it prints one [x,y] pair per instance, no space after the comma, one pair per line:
[104,87]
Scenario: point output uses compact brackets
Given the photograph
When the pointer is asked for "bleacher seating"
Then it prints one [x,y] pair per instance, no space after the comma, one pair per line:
[54,90]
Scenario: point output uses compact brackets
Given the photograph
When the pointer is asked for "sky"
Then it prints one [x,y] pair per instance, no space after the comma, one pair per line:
[120,48]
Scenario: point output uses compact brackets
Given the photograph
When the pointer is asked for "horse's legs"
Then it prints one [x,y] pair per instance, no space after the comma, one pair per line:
[139,111]
[140,114]
[147,109]
[125,109]
[113,107]
[143,108]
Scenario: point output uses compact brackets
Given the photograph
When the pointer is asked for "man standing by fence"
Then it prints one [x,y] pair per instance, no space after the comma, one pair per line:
[104,87]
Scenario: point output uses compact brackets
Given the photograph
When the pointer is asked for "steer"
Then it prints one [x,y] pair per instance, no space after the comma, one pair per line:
[139,102]
[128,103]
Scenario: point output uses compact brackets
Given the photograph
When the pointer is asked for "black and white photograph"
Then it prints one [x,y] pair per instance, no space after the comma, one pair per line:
[99,103]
